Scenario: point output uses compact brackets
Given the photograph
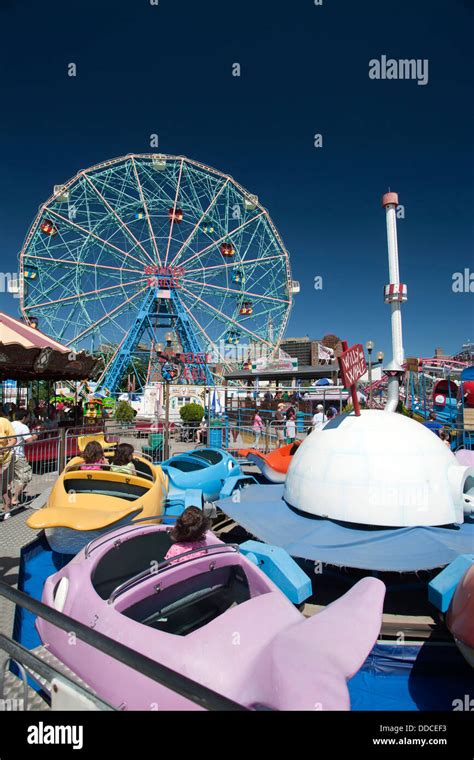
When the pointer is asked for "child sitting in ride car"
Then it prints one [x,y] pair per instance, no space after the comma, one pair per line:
[189,533]
[123,460]
[93,456]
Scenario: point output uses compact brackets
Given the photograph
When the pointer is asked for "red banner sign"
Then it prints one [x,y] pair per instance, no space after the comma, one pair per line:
[353,365]
[164,276]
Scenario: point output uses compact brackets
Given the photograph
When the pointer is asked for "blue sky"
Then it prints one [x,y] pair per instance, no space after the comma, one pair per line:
[143,69]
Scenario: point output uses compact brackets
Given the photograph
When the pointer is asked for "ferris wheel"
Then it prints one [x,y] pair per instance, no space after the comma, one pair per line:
[144,243]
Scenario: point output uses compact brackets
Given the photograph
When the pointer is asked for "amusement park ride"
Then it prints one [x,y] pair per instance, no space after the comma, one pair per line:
[145,243]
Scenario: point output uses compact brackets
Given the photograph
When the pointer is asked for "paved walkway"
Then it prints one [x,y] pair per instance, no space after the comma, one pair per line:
[14,534]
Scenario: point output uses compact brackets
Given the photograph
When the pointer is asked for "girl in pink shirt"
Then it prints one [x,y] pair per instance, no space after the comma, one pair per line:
[189,533]
[258,427]
[93,456]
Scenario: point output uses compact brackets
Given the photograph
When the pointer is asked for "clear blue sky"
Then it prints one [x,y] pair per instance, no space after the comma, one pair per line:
[143,69]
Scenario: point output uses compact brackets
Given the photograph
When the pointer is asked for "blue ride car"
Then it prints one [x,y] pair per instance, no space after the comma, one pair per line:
[214,472]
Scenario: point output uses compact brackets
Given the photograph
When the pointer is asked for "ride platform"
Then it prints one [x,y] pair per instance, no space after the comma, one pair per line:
[262,511]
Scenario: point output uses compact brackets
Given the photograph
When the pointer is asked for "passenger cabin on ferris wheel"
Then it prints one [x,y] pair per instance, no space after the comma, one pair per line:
[233,337]
[227,249]
[238,276]
[207,227]
[175,215]
[48,227]
[246,308]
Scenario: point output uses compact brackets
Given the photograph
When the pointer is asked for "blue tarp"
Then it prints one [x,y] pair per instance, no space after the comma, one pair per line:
[429,676]
[468,373]
[263,513]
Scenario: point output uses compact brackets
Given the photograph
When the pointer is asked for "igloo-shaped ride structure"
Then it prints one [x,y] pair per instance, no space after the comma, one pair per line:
[379,469]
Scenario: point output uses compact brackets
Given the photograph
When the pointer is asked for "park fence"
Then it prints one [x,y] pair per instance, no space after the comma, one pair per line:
[28,468]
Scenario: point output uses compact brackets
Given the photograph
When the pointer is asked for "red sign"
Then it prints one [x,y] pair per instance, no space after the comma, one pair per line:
[353,366]
[164,276]
[192,365]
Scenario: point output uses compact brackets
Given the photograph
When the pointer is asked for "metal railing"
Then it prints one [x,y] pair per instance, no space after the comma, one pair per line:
[27,468]
[39,669]
[198,693]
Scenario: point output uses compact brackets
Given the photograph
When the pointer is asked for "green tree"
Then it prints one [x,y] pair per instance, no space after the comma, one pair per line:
[124,412]
[191,412]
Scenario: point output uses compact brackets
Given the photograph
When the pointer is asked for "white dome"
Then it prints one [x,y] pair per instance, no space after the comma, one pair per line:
[378,469]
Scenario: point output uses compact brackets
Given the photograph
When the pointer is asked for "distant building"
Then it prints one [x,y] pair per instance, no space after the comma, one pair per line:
[299,348]
[303,349]
[466,354]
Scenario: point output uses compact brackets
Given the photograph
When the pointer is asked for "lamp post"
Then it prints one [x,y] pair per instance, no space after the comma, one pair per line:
[370,347]
[380,358]
[166,440]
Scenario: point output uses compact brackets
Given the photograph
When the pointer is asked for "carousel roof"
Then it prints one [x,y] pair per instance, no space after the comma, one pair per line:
[28,354]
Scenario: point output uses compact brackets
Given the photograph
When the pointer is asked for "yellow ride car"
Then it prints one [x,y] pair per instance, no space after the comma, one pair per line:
[83,502]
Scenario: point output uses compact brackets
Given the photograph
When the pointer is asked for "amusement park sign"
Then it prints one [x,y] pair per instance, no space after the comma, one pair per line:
[190,366]
[164,276]
[353,366]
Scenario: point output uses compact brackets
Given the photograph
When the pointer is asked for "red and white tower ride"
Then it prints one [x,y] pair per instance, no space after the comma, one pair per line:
[395,293]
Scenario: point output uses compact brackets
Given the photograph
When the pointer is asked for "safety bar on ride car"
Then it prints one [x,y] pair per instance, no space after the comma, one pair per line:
[170,679]
[107,468]
[154,570]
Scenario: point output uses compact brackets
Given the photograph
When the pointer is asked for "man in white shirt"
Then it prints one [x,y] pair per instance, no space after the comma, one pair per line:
[22,468]
[319,418]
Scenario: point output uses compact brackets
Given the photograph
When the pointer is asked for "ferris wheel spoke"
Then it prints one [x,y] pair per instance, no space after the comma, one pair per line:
[96,292]
[147,215]
[198,224]
[221,239]
[226,318]
[202,330]
[106,316]
[261,296]
[89,233]
[178,184]
[61,281]
[120,221]
[83,264]
[233,264]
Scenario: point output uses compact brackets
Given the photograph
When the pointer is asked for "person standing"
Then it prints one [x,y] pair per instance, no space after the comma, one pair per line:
[280,425]
[290,426]
[22,472]
[433,424]
[445,437]
[330,414]
[257,427]
[7,442]
[319,418]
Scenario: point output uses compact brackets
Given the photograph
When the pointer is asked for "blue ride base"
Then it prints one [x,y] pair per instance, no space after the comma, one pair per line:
[262,511]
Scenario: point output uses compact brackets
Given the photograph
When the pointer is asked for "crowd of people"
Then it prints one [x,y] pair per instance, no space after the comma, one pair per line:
[20,425]
[15,470]
[285,424]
